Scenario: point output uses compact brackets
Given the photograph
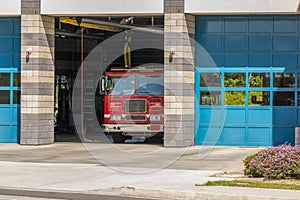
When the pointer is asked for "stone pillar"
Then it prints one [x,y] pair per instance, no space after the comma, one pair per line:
[179,76]
[37,75]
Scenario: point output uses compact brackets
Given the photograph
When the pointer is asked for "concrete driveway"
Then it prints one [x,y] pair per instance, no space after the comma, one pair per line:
[133,169]
[135,154]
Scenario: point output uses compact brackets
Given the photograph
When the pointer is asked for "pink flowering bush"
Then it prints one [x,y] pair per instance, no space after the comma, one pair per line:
[280,162]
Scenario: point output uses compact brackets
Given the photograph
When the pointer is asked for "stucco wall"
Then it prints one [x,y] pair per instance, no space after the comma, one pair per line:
[93,7]
[241,6]
[11,7]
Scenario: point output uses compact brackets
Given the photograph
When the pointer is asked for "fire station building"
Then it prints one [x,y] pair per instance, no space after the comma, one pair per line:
[248,94]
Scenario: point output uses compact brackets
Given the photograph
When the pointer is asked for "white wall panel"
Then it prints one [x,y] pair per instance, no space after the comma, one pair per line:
[10,7]
[241,6]
[98,7]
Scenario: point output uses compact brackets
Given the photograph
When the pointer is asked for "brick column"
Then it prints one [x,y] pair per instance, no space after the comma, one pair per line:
[179,76]
[37,75]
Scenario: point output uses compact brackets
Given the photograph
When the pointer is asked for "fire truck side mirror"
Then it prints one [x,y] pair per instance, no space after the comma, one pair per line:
[102,84]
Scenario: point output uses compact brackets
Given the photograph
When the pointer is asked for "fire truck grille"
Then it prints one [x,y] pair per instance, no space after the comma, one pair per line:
[135,118]
[135,105]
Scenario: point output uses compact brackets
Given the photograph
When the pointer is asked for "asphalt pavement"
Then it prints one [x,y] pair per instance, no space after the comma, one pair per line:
[134,169]
[8,194]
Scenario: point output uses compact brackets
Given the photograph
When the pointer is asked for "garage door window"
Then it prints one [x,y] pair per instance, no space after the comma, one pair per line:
[283,98]
[17,80]
[248,89]
[259,98]
[16,95]
[4,79]
[259,80]
[285,80]
[210,80]
[235,80]
[4,97]
[210,98]
[235,98]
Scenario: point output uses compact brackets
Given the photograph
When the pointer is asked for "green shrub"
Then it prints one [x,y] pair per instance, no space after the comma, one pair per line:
[247,162]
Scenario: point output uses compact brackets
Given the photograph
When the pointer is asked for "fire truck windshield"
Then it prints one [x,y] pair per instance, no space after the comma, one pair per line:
[150,84]
[118,85]
[126,85]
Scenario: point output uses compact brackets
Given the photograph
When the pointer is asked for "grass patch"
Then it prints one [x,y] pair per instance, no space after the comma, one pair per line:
[255,184]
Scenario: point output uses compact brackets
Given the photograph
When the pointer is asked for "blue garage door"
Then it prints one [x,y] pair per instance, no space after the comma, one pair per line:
[251,96]
[10,48]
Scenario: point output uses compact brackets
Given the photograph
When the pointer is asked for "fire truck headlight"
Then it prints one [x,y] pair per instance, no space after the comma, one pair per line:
[154,117]
[115,117]
[155,104]
[115,105]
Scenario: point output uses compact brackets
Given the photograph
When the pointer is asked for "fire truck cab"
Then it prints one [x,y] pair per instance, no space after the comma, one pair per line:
[133,102]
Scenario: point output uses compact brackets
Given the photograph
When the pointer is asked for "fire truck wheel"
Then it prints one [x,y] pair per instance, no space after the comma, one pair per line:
[154,140]
[118,137]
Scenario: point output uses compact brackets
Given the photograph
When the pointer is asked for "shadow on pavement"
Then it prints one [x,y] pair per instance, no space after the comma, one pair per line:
[97,138]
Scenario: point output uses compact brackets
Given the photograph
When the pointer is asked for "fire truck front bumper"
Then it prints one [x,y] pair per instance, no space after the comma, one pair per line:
[133,129]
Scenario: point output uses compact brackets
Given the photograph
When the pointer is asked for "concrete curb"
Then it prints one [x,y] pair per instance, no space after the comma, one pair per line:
[188,195]
[204,193]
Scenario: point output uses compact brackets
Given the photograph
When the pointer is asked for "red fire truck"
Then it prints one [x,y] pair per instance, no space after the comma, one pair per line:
[133,102]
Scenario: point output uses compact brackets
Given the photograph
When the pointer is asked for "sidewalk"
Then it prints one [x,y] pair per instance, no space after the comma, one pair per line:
[68,167]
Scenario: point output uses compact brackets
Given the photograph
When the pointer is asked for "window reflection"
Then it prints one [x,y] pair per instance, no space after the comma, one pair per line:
[121,85]
[4,79]
[17,79]
[210,98]
[283,98]
[210,79]
[235,98]
[284,80]
[235,80]
[258,98]
[259,80]
[4,97]
[150,85]
[16,96]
